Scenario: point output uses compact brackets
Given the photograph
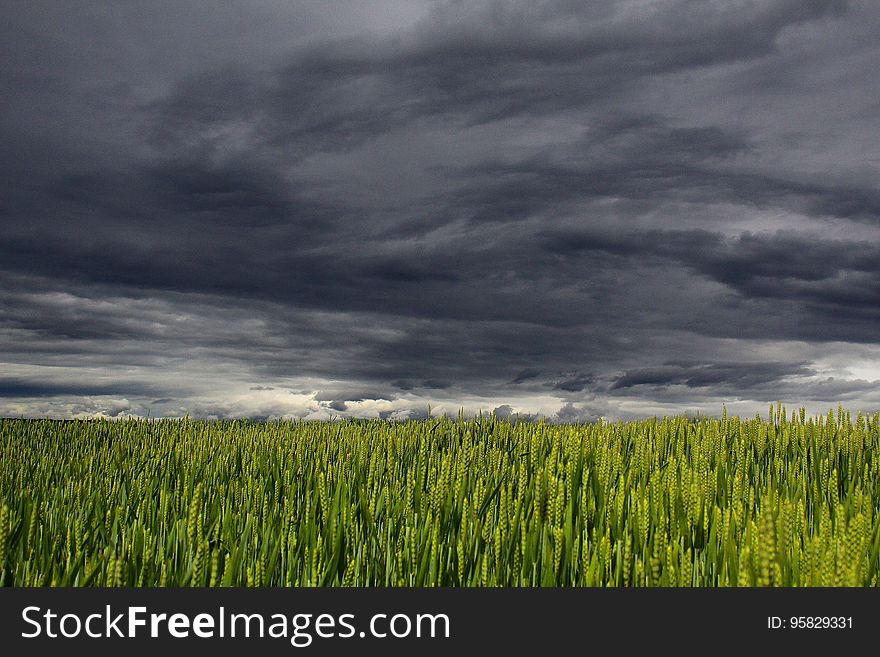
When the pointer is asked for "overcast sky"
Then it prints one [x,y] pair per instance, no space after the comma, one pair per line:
[314,209]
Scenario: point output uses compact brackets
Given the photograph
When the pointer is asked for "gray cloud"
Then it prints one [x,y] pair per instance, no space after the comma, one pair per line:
[738,376]
[574,383]
[573,413]
[24,388]
[568,209]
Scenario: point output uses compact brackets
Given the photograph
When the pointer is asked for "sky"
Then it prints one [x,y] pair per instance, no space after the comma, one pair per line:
[543,208]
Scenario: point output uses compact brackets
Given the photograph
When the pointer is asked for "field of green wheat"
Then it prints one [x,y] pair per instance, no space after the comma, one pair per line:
[780,501]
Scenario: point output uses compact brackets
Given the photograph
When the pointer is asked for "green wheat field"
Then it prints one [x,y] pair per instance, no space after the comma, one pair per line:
[781,501]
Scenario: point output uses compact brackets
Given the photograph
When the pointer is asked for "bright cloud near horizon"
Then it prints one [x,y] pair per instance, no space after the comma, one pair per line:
[360,209]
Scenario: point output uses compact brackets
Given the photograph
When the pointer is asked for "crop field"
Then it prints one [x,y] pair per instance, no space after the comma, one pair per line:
[780,501]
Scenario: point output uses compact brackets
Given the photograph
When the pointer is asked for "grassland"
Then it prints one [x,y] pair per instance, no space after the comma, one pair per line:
[784,501]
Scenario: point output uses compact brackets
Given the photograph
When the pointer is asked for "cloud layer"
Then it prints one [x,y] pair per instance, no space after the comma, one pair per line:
[551,208]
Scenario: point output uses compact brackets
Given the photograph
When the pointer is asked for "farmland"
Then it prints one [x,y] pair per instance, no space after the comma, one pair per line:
[785,500]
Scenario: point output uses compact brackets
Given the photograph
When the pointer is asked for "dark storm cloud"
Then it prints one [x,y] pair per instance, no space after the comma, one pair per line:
[575,383]
[829,392]
[824,279]
[338,95]
[642,158]
[350,395]
[735,375]
[525,375]
[549,200]
[22,388]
